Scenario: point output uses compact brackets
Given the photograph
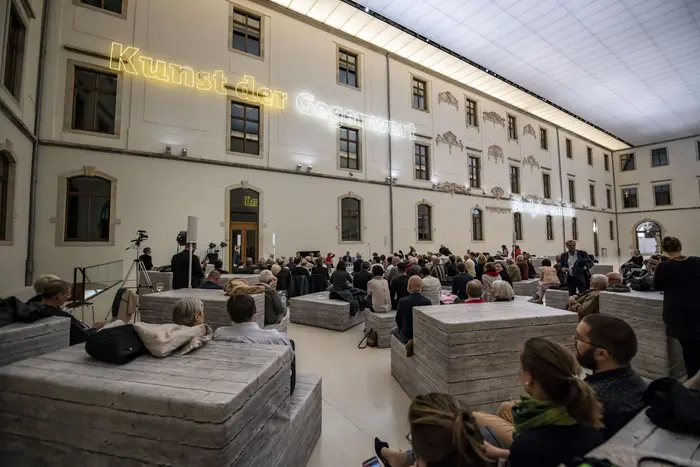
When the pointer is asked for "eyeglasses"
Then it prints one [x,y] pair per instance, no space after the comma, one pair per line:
[578,339]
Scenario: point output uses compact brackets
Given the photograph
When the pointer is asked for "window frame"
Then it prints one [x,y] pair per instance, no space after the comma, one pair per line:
[480,231]
[426,94]
[360,216]
[429,238]
[651,157]
[636,197]
[7,211]
[248,13]
[340,49]
[591,194]
[627,157]
[517,179]
[428,165]
[611,226]
[589,155]
[18,98]
[608,197]
[549,228]
[571,184]
[544,140]
[90,197]
[512,136]
[670,197]
[574,228]
[359,148]
[547,187]
[478,170]
[569,148]
[606,162]
[122,15]
[518,225]
[261,118]
[468,100]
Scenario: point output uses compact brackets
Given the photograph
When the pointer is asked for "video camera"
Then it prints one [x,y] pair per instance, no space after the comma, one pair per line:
[142,235]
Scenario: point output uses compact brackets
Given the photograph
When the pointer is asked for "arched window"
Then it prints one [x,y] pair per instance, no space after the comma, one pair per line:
[425,231]
[4,194]
[351,220]
[550,228]
[477,225]
[518,225]
[88,204]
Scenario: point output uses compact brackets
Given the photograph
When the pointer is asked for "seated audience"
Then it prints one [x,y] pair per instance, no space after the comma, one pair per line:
[513,271]
[341,278]
[300,268]
[501,270]
[501,291]
[54,295]
[329,259]
[399,286]
[490,276]
[438,270]
[283,275]
[357,264]
[404,310]
[362,277]
[432,288]
[378,290]
[249,268]
[587,303]
[320,269]
[391,270]
[548,279]
[188,311]
[218,266]
[614,278]
[459,282]
[212,281]
[39,286]
[347,259]
[479,266]
[474,292]
[451,266]
[274,309]
[531,273]
[524,268]
[471,269]
[561,274]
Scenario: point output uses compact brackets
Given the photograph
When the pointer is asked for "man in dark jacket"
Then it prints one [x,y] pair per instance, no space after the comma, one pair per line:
[576,264]
[212,281]
[249,267]
[459,282]
[146,259]
[362,277]
[404,310]
[180,266]
[55,294]
[451,267]
[357,265]
[399,285]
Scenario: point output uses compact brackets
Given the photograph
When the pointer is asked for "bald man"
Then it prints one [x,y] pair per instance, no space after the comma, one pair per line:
[404,309]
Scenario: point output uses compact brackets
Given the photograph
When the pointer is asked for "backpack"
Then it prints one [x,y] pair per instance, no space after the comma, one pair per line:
[642,284]
[370,338]
[118,344]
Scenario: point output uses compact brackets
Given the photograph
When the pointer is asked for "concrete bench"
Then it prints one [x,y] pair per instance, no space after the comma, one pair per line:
[411,379]
[473,351]
[282,326]
[526,288]
[556,298]
[222,405]
[658,355]
[320,311]
[23,340]
[601,269]
[251,279]
[382,324]
[158,307]
[640,438]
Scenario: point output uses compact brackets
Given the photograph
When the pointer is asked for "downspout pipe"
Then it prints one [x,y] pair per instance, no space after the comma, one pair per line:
[561,190]
[391,166]
[617,219]
[29,264]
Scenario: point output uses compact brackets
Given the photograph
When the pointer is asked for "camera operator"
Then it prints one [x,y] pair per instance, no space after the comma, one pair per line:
[180,265]
[146,258]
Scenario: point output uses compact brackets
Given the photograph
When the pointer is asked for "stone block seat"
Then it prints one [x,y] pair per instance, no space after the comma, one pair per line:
[223,405]
[320,311]
[382,324]
[472,351]
[526,288]
[601,269]
[658,355]
[158,307]
[282,326]
[23,340]
[165,278]
[556,298]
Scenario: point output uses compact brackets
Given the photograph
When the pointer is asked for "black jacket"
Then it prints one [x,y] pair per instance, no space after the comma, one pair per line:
[673,407]
[147,261]
[283,279]
[398,289]
[621,391]
[551,445]
[361,278]
[451,269]
[678,279]
[180,264]
[581,266]
[78,331]
[300,271]
[210,285]
[459,285]
[357,265]
[355,297]
[404,313]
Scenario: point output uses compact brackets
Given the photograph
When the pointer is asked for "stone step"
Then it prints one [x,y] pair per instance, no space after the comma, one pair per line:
[24,340]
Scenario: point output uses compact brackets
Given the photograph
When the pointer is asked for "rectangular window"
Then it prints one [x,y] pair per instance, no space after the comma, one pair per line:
[425,231]
[518,225]
[544,142]
[348,67]
[574,228]
[608,198]
[659,157]
[612,230]
[114,6]
[549,228]
[14,52]
[546,186]
[420,89]
[245,128]
[422,156]
[572,190]
[512,128]
[349,148]
[698,148]
[591,192]
[246,32]
[569,149]
[627,162]
[662,195]
[606,160]
[589,155]
[471,113]
[474,172]
[514,179]
[629,198]
[94,101]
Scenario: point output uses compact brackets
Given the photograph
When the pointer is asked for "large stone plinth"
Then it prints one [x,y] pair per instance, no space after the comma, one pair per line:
[382,324]
[658,355]
[158,307]
[556,298]
[601,269]
[320,311]
[526,288]
[23,340]
[472,351]
[156,277]
[223,405]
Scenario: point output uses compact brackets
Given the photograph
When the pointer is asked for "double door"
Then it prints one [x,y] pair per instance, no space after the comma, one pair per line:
[244,235]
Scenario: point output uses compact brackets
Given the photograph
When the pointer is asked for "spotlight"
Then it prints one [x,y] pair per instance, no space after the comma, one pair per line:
[183,153]
[298,167]
[309,168]
[388,179]
[168,150]
[394,180]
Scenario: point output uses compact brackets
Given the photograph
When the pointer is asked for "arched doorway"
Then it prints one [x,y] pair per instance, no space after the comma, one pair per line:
[647,237]
[595,238]
[244,226]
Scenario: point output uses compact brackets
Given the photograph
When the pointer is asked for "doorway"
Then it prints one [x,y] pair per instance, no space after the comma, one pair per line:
[595,238]
[647,236]
[244,225]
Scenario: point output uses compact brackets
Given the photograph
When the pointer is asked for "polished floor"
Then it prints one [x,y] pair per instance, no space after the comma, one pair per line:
[360,398]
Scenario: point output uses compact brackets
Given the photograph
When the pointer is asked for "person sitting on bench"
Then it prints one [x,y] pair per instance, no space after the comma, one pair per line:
[188,311]
[54,295]
[212,281]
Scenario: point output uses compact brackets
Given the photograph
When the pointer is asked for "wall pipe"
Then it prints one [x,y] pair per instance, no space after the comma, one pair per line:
[561,190]
[391,167]
[29,264]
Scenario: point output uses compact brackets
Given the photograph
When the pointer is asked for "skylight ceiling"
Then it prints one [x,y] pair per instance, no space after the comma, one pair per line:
[631,67]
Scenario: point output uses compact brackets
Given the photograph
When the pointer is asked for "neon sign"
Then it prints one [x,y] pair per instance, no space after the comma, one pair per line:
[336,116]
[250,202]
[536,209]
[130,60]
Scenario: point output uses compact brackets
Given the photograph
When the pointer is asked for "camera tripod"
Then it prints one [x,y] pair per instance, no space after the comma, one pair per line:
[140,269]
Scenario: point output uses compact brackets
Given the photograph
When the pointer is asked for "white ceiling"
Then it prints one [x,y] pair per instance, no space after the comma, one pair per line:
[631,67]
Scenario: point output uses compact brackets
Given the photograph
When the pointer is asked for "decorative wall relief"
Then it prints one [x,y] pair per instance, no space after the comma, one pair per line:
[496,152]
[528,130]
[494,117]
[452,188]
[451,140]
[498,210]
[449,99]
[533,199]
[497,192]
[532,162]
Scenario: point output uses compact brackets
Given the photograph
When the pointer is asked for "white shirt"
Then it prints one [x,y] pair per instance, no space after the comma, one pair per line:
[572,260]
[250,333]
[432,289]
[378,289]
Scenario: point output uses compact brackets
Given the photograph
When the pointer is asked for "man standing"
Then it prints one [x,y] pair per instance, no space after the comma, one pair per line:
[404,310]
[576,264]
[399,286]
[180,266]
[236,257]
[357,265]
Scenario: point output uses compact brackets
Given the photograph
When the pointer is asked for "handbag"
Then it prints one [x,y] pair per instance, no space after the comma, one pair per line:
[370,340]
[119,344]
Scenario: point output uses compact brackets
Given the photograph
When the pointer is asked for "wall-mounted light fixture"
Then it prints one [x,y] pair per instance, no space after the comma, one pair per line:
[168,150]
[387,178]
[183,153]
[394,180]
[309,168]
[298,167]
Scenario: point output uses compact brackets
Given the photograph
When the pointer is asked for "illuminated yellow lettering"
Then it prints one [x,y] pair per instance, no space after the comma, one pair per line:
[219,82]
[250,202]
[204,81]
[177,72]
[120,58]
[266,96]
[149,71]
[280,99]
[245,87]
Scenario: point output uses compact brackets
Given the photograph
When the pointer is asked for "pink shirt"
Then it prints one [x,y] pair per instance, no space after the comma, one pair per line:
[548,275]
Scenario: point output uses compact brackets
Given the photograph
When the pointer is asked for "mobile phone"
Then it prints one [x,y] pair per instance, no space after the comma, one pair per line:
[372,462]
